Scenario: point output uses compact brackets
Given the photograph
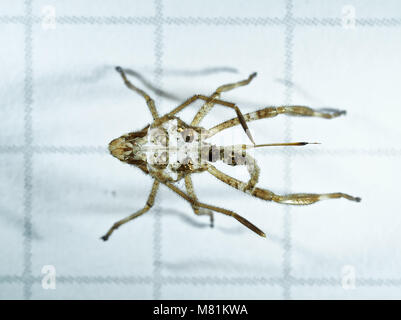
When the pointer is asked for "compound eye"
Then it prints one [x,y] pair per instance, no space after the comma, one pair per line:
[188,135]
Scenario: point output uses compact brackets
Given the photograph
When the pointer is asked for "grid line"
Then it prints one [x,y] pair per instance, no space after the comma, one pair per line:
[28,96]
[12,19]
[208,280]
[304,152]
[157,232]
[127,280]
[337,22]
[224,21]
[111,20]
[71,150]
[194,20]
[288,66]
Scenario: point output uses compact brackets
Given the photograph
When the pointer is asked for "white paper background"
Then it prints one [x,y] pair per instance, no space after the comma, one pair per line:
[62,102]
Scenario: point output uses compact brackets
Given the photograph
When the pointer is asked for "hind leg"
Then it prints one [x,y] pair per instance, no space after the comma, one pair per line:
[295,198]
[271,112]
[230,213]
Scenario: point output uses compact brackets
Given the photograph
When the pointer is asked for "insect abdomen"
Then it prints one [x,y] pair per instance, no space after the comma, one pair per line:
[228,155]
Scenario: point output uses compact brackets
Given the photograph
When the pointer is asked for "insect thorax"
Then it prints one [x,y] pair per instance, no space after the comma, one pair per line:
[174,149]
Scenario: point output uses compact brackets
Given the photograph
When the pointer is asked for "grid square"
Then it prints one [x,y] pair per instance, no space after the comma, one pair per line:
[12,85]
[12,213]
[96,191]
[333,9]
[335,68]
[11,291]
[334,233]
[12,8]
[191,248]
[225,8]
[197,50]
[337,292]
[118,8]
[221,292]
[97,291]
[79,99]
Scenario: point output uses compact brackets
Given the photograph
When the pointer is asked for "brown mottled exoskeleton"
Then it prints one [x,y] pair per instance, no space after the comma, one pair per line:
[169,150]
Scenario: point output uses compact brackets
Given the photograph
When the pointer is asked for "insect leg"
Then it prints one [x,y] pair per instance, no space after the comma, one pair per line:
[205,109]
[254,172]
[184,105]
[199,211]
[240,116]
[295,198]
[327,113]
[234,157]
[149,101]
[208,106]
[271,112]
[148,205]
[236,216]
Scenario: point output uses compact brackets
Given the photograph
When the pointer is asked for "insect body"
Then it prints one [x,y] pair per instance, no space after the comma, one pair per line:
[169,150]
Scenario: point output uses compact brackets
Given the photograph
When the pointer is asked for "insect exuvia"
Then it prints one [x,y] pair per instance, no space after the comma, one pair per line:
[169,150]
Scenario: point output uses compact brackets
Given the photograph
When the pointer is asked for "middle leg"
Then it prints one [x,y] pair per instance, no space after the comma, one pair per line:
[198,211]
[240,116]
[208,105]
[205,109]
[230,213]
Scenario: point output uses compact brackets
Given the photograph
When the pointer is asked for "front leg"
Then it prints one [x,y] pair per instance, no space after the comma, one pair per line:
[149,101]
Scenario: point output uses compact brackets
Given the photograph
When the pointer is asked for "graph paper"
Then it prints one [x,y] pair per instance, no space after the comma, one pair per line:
[62,102]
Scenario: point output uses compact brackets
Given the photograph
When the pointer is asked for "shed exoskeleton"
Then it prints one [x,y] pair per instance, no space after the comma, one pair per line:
[169,150]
